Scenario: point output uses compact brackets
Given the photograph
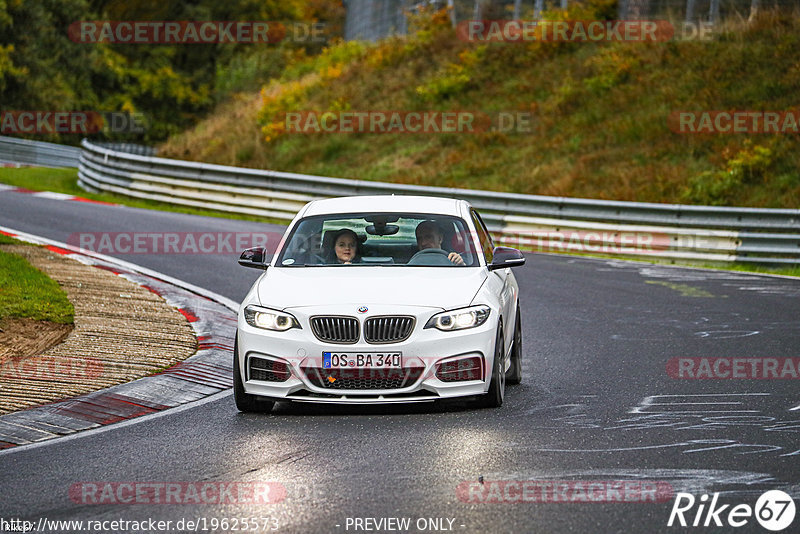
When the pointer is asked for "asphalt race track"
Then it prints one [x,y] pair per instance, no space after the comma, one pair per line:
[597,406]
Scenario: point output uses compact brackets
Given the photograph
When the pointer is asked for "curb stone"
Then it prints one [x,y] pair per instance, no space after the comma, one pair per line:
[207,372]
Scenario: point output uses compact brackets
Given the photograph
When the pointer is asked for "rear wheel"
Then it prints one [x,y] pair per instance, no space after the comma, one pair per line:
[497,387]
[514,374]
[244,401]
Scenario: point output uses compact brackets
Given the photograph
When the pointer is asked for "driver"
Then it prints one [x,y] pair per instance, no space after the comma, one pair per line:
[429,235]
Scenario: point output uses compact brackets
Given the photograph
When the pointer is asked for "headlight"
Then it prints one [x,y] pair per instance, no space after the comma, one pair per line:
[459,319]
[269,319]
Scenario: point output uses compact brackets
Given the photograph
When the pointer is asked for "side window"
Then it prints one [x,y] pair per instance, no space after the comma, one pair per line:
[483,236]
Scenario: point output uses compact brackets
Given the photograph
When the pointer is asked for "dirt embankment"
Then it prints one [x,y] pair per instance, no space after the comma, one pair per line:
[122,332]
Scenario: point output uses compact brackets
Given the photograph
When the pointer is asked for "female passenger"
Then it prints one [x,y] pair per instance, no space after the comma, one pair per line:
[345,247]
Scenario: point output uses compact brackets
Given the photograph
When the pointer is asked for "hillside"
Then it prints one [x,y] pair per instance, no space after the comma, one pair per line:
[602,114]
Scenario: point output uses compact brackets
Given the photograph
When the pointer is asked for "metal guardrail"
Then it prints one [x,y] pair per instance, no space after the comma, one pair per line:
[129,148]
[371,20]
[530,222]
[26,152]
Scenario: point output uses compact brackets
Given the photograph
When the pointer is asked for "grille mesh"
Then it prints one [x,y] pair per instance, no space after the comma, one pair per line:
[388,329]
[363,378]
[335,329]
[460,370]
[268,370]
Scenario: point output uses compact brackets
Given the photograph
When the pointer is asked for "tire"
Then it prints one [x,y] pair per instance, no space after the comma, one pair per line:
[244,401]
[497,387]
[514,374]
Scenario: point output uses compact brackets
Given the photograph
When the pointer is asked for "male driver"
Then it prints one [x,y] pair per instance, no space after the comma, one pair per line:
[430,236]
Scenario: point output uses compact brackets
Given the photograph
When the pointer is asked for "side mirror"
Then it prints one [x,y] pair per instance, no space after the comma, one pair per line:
[253,257]
[506,257]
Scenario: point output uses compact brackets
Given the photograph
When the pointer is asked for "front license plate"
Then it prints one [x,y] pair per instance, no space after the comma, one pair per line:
[362,360]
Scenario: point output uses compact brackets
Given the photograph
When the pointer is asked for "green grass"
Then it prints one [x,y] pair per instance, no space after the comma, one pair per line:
[27,292]
[42,179]
[784,271]
[66,181]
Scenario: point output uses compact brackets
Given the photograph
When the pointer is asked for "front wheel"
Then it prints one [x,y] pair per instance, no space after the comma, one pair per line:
[497,387]
[514,375]
[244,401]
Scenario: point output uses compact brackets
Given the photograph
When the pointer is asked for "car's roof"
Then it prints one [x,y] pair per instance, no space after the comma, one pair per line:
[388,203]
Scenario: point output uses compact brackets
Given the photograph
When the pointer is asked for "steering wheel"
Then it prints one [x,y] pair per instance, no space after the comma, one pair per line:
[430,256]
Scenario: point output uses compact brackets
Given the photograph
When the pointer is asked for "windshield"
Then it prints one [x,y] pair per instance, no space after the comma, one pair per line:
[387,239]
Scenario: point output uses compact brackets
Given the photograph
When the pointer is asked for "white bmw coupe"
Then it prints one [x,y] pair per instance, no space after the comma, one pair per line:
[380,299]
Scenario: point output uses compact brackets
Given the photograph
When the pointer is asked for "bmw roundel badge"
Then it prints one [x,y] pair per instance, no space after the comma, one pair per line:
[363,309]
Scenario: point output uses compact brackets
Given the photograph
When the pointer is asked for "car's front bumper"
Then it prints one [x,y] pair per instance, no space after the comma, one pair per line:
[424,349]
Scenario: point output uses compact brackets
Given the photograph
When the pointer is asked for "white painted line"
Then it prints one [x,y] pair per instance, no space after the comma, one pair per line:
[708,395]
[795,408]
[54,196]
[692,403]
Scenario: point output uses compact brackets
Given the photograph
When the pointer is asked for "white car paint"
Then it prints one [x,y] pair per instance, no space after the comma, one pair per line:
[405,286]
[418,292]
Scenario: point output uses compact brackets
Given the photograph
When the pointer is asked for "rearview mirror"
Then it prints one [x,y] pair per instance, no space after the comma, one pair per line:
[506,257]
[382,229]
[253,257]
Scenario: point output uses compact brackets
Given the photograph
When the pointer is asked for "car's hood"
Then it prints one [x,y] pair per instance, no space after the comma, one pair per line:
[440,287]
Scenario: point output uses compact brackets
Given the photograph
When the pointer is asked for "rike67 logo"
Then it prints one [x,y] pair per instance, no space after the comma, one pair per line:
[774,510]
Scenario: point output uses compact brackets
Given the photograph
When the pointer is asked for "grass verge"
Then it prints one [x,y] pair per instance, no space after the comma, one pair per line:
[27,292]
